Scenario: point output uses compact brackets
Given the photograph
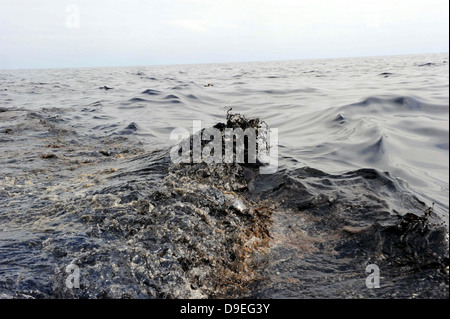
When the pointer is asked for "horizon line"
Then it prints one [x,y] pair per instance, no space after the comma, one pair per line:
[225,62]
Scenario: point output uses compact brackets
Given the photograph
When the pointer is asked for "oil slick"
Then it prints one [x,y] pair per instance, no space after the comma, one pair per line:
[240,140]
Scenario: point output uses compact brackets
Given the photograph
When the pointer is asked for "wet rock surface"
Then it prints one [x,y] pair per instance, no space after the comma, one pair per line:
[139,226]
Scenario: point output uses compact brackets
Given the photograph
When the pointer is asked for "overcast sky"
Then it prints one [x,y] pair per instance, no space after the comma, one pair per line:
[58,33]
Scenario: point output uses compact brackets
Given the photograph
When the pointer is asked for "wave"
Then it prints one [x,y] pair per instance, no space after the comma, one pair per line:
[151,92]
[391,104]
[127,216]
[87,180]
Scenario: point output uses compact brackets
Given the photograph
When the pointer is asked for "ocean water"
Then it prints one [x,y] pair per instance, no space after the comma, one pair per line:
[85,179]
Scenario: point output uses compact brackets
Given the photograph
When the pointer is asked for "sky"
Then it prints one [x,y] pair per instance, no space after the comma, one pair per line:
[91,33]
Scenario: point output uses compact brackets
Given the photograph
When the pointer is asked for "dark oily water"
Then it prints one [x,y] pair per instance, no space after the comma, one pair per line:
[87,182]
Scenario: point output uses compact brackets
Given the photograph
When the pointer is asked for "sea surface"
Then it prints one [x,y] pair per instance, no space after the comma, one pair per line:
[86,180]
